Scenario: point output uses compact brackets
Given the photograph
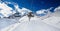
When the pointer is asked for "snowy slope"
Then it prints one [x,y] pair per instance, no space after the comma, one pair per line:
[53,20]
[4,22]
[49,22]
[35,24]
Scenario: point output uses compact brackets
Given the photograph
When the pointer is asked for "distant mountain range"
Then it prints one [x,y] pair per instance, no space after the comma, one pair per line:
[6,10]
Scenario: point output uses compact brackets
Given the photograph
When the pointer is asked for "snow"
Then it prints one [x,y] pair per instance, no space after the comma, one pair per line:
[22,11]
[5,10]
[49,22]
[5,22]
[35,24]
[43,12]
[54,19]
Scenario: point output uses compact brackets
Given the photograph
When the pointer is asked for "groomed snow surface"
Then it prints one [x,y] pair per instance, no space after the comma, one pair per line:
[35,24]
[50,22]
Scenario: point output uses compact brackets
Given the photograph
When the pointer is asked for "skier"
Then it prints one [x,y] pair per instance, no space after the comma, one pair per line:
[30,14]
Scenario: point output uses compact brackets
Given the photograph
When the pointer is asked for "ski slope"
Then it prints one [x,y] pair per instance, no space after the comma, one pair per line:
[35,24]
[4,22]
[53,20]
[50,22]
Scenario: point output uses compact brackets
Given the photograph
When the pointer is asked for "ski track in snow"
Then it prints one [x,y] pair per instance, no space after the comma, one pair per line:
[35,24]
[5,22]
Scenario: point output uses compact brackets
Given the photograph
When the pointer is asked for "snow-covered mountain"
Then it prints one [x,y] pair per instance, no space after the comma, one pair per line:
[54,19]
[44,12]
[6,10]
[36,23]
[48,22]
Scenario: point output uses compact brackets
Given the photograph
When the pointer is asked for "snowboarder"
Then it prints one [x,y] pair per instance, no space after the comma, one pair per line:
[30,14]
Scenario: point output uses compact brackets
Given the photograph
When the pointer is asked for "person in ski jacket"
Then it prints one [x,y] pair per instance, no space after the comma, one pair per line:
[30,14]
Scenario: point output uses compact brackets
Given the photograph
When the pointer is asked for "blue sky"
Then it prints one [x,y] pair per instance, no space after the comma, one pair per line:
[29,5]
[35,5]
